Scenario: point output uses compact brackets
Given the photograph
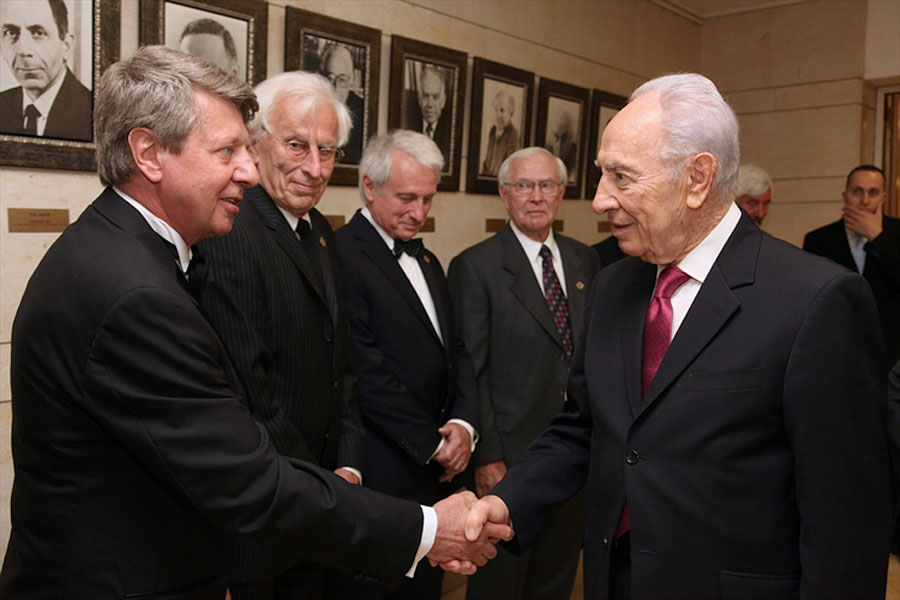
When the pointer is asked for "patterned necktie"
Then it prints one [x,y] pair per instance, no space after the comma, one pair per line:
[657,335]
[412,247]
[658,326]
[31,119]
[556,301]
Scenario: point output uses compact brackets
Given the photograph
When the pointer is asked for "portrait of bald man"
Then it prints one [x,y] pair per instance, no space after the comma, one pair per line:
[36,43]
[337,66]
[426,109]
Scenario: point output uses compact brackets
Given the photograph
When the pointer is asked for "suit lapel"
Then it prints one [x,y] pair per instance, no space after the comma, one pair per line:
[319,223]
[844,256]
[711,309]
[575,275]
[633,316]
[374,248]
[284,236]
[429,266]
[524,286]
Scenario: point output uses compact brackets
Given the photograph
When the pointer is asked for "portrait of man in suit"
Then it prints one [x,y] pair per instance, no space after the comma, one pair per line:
[137,462]
[867,241]
[722,383]
[503,137]
[416,386]
[208,39]
[35,41]
[563,133]
[525,287]
[274,291]
[425,104]
[337,66]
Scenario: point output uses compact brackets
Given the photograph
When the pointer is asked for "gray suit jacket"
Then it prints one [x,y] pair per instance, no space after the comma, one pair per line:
[520,363]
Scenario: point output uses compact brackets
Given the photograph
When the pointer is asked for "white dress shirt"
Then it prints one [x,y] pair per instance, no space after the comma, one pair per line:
[44,102]
[533,252]
[163,229]
[857,248]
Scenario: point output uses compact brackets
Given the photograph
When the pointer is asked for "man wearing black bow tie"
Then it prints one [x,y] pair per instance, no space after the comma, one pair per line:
[416,384]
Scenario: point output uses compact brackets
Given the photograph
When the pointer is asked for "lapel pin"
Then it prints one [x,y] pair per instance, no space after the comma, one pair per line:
[579,285]
[425,258]
[322,242]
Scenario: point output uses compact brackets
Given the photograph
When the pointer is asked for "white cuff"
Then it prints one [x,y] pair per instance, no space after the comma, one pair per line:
[429,530]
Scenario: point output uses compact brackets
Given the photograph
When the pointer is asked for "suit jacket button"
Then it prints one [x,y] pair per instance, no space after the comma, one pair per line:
[606,543]
[334,384]
[632,458]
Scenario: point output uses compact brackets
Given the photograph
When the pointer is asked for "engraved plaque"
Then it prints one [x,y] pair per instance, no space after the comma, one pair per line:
[38,220]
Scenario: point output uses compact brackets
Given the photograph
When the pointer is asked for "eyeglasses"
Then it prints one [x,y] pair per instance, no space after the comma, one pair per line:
[338,79]
[299,149]
[547,187]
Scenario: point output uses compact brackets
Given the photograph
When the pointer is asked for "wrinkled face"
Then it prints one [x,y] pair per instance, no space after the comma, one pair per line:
[502,112]
[866,191]
[431,97]
[30,44]
[401,205]
[201,186]
[339,71]
[647,210]
[532,212]
[210,47]
[757,207]
[295,185]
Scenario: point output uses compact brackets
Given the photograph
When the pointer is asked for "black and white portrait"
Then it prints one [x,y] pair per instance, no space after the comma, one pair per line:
[428,92]
[504,120]
[562,136]
[344,65]
[219,38]
[46,71]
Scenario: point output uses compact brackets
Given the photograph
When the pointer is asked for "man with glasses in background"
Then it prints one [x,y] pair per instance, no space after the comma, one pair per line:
[274,291]
[519,297]
[337,66]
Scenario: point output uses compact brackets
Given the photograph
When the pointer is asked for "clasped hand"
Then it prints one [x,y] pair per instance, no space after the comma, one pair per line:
[467,531]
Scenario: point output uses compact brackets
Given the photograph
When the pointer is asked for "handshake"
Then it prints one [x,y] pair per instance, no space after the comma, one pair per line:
[467,531]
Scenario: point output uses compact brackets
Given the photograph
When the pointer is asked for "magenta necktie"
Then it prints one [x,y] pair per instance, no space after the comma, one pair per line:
[657,335]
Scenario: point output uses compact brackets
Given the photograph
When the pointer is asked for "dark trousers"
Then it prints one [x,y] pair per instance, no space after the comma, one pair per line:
[426,585]
[301,583]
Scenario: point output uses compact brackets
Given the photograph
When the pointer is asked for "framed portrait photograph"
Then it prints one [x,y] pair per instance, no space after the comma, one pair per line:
[604,107]
[502,99]
[53,54]
[561,127]
[349,55]
[427,95]
[231,34]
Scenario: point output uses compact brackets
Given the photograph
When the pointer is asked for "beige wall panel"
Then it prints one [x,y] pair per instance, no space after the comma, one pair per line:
[5,394]
[803,190]
[6,473]
[832,93]
[803,143]
[753,101]
[818,41]
[737,50]
[882,33]
[664,42]
[791,222]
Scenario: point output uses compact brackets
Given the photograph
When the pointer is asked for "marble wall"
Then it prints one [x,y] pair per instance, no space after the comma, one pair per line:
[794,73]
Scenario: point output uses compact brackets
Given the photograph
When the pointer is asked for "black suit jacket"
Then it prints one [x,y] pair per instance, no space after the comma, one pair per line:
[409,382]
[756,465]
[882,270]
[282,316]
[133,450]
[609,252]
[500,310]
[70,118]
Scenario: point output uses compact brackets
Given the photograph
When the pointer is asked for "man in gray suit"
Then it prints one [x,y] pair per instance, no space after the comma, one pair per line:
[519,298]
[274,291]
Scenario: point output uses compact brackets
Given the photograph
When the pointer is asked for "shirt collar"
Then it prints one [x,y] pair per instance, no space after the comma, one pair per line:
[293,220]
[384,234]
[531,247]
[699,261]
[163,229]
[44,102]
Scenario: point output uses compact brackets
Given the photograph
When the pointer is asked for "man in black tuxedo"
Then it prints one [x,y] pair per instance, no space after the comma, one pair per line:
[135,456]
[50,101]
[525,287]
[416,386]
[425,111]
[867,241]
[728,389]
[274,291]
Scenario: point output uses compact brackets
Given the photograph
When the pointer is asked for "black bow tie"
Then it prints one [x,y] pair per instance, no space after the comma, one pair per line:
[412,247]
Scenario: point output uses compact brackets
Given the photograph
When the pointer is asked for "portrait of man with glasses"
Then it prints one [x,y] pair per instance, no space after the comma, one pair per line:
[347,80]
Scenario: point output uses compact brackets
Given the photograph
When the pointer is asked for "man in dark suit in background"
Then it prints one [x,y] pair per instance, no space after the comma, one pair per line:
[416,386]
[50,101]
[519,299]
[728,392]
[274,291]
[867,241]
[135,458]
[208,39]
[337,66]
[426,113]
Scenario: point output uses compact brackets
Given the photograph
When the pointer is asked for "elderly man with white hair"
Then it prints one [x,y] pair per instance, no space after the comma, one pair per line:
[727,396]
[754,192]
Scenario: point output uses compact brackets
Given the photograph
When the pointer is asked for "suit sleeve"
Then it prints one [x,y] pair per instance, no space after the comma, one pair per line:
[473,320]
[884,250]
[389,408]
[234,297]
[159,384]
[834,412]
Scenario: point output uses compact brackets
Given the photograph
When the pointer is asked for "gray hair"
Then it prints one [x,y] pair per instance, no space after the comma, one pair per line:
[313,91]
[506,165]
[510,101]
[378,157]
[697,119]
[753,181]
[156,88]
